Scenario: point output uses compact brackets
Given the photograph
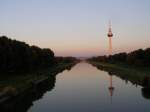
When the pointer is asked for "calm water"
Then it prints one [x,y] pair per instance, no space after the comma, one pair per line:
[86,89]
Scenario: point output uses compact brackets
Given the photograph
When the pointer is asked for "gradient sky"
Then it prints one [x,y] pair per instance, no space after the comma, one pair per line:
[77,27]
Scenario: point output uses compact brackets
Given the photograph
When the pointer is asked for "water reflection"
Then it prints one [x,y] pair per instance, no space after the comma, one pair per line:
[86,89]
[111,87]
[144,82]
[146,93]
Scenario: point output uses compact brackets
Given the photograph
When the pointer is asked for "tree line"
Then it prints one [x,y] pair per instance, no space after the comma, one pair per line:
[19,56]
[138,57]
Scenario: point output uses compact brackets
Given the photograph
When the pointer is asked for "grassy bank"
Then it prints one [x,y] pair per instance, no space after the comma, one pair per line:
[137,75]
[18,83]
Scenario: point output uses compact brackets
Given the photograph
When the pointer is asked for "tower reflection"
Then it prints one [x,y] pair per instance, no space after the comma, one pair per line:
[111,88]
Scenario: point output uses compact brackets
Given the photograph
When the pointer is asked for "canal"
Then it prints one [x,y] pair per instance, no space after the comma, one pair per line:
[84,88]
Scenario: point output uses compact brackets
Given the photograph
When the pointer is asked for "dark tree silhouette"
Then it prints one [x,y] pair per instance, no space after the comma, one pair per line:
[138,57]
[17,56]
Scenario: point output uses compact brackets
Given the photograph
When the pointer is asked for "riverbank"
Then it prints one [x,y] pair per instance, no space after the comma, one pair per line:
[17,85]
[136,75]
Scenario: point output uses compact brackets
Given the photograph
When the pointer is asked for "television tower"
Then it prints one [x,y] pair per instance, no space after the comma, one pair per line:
[110,35]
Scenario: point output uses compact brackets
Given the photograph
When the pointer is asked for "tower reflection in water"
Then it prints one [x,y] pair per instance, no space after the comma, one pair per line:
[111,88]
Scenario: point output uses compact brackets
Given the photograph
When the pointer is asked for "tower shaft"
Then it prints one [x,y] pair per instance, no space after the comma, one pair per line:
[110,46]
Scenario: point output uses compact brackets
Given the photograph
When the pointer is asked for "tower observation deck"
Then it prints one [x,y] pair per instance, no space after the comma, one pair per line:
[110,35]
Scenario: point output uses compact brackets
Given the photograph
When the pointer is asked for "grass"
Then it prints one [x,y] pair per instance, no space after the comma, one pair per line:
[134,74]
[21,82]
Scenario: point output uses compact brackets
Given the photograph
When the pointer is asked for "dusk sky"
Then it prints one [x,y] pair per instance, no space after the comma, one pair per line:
[77,27]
